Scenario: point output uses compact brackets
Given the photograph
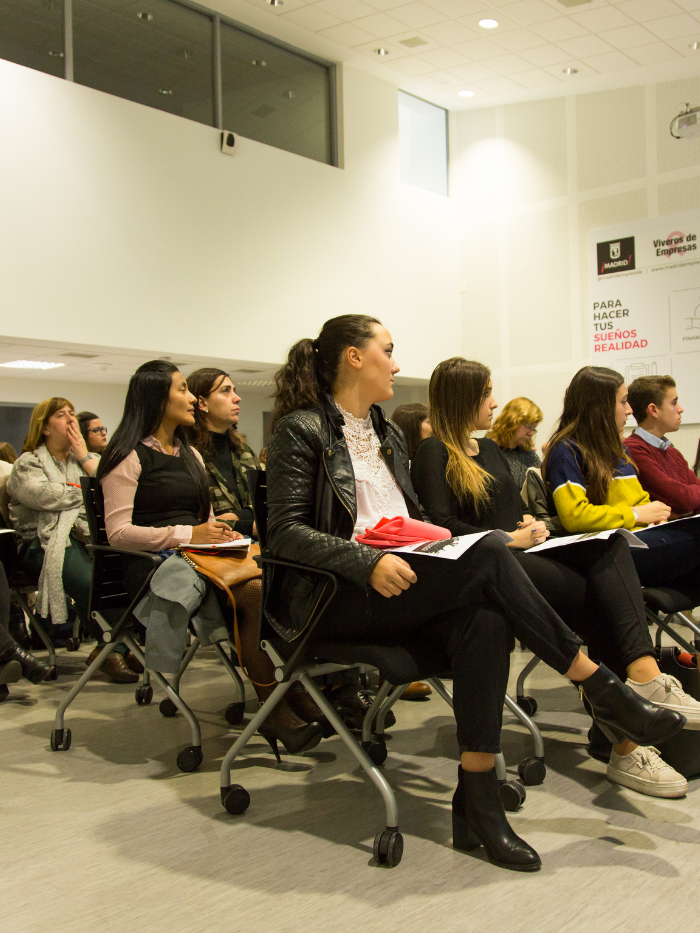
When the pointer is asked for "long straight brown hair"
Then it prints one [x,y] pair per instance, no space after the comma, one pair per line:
[588,419]
[457,390]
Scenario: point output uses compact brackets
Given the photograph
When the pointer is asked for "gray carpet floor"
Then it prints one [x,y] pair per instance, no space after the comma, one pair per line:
[110,836]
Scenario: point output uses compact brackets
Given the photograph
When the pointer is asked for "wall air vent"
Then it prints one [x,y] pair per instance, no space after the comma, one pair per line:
[569,3]
[81,356]
[413,43]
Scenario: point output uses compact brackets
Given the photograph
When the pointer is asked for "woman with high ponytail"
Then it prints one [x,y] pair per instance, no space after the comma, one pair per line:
[336,466]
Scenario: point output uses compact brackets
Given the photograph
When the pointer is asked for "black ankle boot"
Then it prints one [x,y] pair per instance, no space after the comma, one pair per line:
[478,818]
[622,714]
[599,747]
[34,670]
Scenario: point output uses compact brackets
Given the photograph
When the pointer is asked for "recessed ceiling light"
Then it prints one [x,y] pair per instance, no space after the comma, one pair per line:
[274,2]
[165,90]
[290,95]
[148,17]
[381,52]
[466,93]
[31,364]
[56,54]
[258,62]
[694,46]
[488,23]
[570,71]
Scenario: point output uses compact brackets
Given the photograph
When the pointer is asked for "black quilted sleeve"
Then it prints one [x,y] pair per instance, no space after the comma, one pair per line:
[294,458]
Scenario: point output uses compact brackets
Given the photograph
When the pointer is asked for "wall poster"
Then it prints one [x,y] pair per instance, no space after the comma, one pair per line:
[645,301]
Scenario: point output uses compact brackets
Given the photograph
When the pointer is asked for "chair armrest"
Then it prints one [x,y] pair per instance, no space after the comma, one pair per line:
[155,558]
[319,609]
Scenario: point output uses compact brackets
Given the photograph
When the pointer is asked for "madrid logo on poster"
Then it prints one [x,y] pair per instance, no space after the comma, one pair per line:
[616,256]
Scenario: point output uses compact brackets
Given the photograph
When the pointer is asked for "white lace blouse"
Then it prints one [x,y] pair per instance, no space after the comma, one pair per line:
[377,492]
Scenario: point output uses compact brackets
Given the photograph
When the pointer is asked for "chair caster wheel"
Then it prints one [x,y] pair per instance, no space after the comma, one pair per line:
[72,644]
[388,848]
[376,751]
[528,705]
[53,675]
[190,758]
[60,740]
[513,795]
[235,799]
[234,713]
[167,707]
[532,771]
[144,694]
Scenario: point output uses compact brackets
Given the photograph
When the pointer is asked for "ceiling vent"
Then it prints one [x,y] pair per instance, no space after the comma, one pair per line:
[413,42]
[569,3]
[81,356]
[257,382]
[249,371]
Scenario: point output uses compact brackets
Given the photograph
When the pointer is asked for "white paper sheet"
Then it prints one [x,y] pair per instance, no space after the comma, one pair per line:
[240,544]
[450,548]
[632,539]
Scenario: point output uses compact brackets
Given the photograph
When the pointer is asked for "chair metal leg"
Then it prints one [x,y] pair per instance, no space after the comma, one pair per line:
[235,676]
[189,654]
[374,710]
[500,767]
[250,729]
[395,696]
[79,684]
[441,690]
[371,770]
[524,674]
[529,725]
[664,624]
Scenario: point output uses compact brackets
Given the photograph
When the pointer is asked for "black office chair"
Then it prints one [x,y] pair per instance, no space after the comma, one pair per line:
[112,607]
[415,659]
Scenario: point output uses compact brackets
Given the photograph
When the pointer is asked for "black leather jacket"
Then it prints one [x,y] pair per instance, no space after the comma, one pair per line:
[312,509]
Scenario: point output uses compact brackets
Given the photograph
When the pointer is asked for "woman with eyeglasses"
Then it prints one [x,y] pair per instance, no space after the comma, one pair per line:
[465,485]
[93,431]
[514,431]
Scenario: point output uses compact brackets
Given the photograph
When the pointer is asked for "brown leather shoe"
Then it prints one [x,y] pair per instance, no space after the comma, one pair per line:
[133,663]
[114,667]
[417,691]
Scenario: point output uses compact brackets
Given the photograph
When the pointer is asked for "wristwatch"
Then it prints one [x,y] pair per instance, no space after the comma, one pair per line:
[87,457]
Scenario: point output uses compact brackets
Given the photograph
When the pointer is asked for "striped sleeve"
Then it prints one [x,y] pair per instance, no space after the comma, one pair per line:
[576,512]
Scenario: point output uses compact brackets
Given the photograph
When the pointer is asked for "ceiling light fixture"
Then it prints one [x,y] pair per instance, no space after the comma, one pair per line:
[570,71]
[147,17]
[381,52]
[694,46]
[488,23]
[31,364]
[165,90]
[258,62]
[55,54]
[275,2]
[465,93]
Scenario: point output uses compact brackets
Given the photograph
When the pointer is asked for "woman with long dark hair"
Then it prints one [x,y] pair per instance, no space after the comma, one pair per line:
[335,467]
[466,485]
[157,496]
[414,420]
[225,453]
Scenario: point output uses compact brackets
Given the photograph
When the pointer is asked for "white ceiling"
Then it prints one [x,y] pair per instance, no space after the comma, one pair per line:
[115,365]
[611,43]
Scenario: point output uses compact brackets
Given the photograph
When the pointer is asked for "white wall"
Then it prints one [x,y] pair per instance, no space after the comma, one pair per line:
[124,226]
[104,399]
[529,181]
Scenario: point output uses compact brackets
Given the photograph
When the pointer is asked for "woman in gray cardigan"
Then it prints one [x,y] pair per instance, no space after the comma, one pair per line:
[46,508]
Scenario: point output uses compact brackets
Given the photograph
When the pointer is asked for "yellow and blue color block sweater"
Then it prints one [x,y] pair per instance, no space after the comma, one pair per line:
[567,488]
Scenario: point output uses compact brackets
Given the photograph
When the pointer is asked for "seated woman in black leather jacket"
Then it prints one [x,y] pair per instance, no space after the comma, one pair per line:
[335,466]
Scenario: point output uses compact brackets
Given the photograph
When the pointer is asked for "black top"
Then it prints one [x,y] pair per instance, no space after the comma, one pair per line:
[166,493]
[519,460]
[428,472]
[222,457]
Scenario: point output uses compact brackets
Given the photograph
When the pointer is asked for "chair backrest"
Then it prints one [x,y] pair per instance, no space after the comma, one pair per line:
[257,485]
[5,500]
[108,593]
[535,496]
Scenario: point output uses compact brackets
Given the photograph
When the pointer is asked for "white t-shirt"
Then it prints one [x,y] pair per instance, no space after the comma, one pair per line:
[377,493]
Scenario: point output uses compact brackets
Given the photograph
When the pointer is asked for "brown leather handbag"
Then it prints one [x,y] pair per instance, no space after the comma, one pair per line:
[227,570]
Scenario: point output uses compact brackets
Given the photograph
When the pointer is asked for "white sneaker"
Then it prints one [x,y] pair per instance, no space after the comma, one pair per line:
[644,770]
[667,692]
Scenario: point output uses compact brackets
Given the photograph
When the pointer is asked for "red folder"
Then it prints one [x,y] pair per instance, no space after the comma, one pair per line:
[397,532]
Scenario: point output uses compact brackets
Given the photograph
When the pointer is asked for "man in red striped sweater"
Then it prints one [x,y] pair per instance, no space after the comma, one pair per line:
[663,470]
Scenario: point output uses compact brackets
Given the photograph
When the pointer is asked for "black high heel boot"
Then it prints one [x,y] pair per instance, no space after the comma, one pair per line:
[622,714]
[478,819]
[294,741]
[33,669]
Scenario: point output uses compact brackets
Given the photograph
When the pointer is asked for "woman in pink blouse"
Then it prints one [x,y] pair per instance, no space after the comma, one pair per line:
[156,497]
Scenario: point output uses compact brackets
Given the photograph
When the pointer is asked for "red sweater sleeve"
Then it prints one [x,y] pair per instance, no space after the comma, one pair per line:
[665,475]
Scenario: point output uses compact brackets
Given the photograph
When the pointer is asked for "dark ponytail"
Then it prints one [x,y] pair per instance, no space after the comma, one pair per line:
[312,365]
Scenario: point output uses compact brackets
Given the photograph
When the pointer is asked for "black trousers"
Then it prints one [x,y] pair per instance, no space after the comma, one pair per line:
[673,557]
[7,642]
[474,607]
[594,587]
